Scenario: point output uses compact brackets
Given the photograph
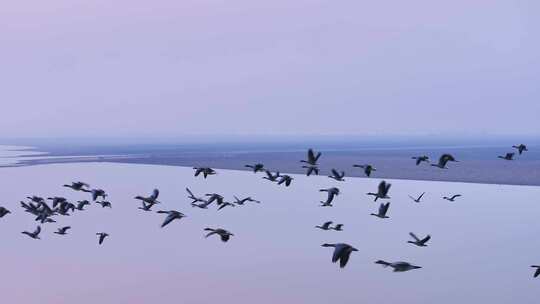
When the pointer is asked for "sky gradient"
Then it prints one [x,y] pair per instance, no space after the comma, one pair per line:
[170,68]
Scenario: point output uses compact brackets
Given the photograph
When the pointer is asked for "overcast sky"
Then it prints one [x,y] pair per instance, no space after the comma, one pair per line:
[169,67]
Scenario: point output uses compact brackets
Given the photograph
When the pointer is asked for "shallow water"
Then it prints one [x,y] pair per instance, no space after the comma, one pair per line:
[481,249]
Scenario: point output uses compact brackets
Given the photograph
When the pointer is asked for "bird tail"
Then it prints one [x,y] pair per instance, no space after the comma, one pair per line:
[384,263]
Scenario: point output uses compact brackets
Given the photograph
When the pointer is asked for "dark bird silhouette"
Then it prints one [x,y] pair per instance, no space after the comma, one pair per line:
[203,205]
[418,198]
[205,171]
[104,204]
[256,167]
[36,199]
[102,236]
[152,199]
[382,191]
[342,253]
[97,193]
[507,156]
[35,234]
[311,170]
[520,148]
[3,211]
[63,230]
[325,226]
[332,193]
[537,272]
[285,179]
[337,175]
[367,169]
[215,197]
[57,200]
[81,204]
[225,204]
[244,200]
[271,177]
[223,234]
[452,198]
[145,206]
[78,186]
[383,209]
[194,198]
[338,227]
[419,242]
[171,216]
[312,158]
[398,266]
[443,160]
[420,159]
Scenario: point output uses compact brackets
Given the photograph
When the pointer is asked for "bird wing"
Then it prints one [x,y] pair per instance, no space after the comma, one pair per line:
[209,234]
[418,161]
[382,187]
[456,196]
[168,219]
[344,258]
[37,231]
[414,236]
[338,252]
[537,273]
[155,194]
[317,156]
[311,155]
[327,224]
[421,195]
[384,208]
[224,237]
[426,239]
[335,173]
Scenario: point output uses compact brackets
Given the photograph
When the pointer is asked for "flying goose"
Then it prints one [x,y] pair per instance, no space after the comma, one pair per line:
[203,205]
[537,272]
[104,204]
[225,204]
[247,199]
[507,156]
[63,230]
[35,234]
[152,199]
[78,186]
[383,209]
[332,193]
[337,175]
[367,169]
[194,198]
[271,177]
[214,197]
[398,266]
[205,171]
[382,191]
[342,252]
[338,227]
[172,215]
[325,226]
[417,200]
[419,242]
[3,211]
[520,148]
[443,160]
[452,198]
[312,158]
[102,236]
[256,167]
[145,206]
[96,193]
[311,170]
[223,234]
[81,204]
[285,179]
[420,159]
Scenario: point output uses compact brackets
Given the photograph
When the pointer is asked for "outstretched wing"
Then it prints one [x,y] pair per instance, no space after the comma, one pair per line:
[414,236]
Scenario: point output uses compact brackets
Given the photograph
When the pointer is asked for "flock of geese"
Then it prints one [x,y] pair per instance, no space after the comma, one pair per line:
[43,212]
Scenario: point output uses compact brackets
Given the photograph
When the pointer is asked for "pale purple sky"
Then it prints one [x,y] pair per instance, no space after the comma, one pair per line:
[140,68]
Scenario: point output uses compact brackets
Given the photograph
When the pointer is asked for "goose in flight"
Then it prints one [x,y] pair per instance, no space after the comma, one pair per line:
[417,200]
[311,170]
[312,158]
[382,191]
[338,227]
[145,206]
[3,211]
[325,226]
[63,230]
[35,234]
[285,179]
[215,197]
[225,204]
[244,200]
[367,169]
[342,252]
[383,209]
[337,175]
[171,216]
[97,193]
[102,236]
[81,204]
[152,199]
[223,234]
[271,177]
[507,156]
[537,272]
[452,198]
[104,204]
[520,148]
[443,160]
[420,159]
[256,167]
[398,266]
[205,171]
[78,186]
[203,205]
[332,193]
[194,198]
[419,242]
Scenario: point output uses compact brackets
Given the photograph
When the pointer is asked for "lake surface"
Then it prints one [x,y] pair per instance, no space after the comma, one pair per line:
[481,249]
